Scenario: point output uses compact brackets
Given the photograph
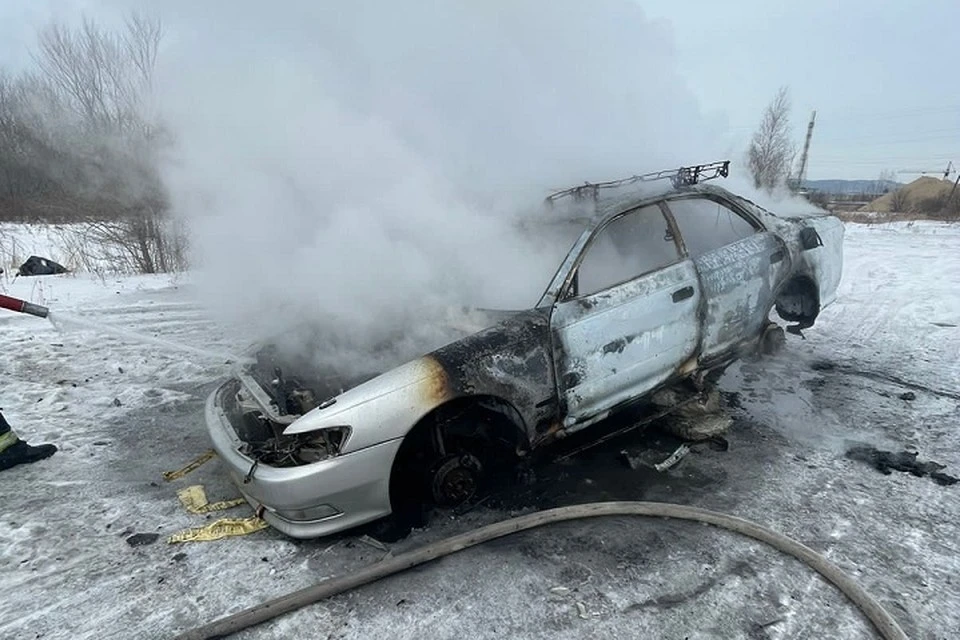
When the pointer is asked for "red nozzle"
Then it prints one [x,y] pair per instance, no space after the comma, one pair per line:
[22,306]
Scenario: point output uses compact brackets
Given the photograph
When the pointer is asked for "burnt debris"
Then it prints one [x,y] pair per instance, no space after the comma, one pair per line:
[37,266]
[887,462]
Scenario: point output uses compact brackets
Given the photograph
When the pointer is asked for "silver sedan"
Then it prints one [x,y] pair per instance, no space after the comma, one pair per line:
[657,292]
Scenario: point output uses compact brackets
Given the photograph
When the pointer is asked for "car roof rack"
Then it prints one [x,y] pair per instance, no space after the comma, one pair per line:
[682,177]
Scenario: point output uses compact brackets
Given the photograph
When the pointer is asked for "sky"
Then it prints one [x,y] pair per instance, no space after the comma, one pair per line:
[374,162]
[881,76]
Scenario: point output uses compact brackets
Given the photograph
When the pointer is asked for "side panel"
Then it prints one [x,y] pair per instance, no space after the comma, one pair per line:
[622,342]
[738,282]
[827,260]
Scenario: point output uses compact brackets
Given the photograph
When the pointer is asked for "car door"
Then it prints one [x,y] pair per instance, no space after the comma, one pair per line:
[737,261]
[627,318]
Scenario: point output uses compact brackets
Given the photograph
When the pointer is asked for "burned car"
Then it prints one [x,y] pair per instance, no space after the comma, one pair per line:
[657,291]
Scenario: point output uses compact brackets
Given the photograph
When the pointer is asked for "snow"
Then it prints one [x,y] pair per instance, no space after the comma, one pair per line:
[66,570]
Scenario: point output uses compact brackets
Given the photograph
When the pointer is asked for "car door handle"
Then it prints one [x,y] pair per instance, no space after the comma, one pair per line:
[682,294]
[776,257]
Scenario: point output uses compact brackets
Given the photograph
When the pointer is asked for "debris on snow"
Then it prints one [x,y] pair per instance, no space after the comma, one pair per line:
[582,611]
[142,539]
[219,529]
[645,460]
[887,461]
[194,500]
[373,542]
[674,458]
[37,266]
[170,476]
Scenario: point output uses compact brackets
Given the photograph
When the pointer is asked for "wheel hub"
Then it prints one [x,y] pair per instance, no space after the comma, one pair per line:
[456,479]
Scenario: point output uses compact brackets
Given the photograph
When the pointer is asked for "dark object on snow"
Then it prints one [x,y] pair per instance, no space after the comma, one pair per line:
[142,539]
[887,461]
[37,266]
[14,451]
[908,395]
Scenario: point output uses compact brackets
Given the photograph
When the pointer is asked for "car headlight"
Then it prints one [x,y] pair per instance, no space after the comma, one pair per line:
[322,444]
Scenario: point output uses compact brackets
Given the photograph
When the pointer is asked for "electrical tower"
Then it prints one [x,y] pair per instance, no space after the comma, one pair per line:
[802,173]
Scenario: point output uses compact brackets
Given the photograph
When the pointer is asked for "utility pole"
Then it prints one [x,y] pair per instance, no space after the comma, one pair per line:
[953,190]
[802,173]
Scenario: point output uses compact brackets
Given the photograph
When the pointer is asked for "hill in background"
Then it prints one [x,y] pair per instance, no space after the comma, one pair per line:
[925,194]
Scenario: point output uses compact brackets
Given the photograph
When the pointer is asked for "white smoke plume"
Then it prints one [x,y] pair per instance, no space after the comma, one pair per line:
[364,163]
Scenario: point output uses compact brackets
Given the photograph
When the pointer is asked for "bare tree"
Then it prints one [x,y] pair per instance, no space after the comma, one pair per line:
[899,201]
[102,81]
[28,153]
[883,181]
[103,76]
[771,151]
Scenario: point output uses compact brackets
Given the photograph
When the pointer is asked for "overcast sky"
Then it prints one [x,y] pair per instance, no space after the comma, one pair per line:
[881,75]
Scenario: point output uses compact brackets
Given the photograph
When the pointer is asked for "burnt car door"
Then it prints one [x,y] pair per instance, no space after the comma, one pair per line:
[625,318]
[739,263]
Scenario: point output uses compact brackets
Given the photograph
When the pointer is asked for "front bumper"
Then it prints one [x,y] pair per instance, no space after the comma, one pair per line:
[312,500]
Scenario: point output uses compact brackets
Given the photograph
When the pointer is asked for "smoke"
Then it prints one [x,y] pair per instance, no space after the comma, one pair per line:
[366,164]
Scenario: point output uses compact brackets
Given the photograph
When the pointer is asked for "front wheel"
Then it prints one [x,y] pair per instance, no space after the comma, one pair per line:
[456,479]
[446,466]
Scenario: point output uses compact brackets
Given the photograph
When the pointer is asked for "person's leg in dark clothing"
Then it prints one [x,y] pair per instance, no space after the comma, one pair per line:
[14,451]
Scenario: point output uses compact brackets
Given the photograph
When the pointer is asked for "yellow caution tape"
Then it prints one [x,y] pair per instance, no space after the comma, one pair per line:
[194,500]
[170,476]
[224,528]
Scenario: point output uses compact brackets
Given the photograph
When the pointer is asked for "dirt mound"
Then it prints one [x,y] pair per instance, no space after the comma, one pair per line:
[910,197]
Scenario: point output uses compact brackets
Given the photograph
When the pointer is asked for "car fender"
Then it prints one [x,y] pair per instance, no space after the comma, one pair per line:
[383,408]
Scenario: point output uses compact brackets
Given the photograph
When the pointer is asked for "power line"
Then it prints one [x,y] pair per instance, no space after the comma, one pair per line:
[917,136]
[866,115]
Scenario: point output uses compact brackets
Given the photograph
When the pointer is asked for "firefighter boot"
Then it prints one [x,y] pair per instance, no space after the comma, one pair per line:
[14,451]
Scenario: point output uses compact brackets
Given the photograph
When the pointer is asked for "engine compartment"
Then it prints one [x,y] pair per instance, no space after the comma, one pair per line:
[291,395]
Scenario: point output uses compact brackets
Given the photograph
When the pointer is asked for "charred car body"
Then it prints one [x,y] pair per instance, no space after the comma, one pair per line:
[657,291]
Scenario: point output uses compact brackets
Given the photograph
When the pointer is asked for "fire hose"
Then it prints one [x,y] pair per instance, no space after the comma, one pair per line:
[22,306]
[881,619]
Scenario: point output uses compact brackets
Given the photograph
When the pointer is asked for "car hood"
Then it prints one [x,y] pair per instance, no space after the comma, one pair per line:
[311,358]
[508,359]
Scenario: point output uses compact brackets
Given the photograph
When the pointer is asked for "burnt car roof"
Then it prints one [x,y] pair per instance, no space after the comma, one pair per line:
[594,212]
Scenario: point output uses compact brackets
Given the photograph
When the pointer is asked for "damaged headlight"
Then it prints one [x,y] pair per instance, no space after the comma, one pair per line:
[322,444]
[313,513]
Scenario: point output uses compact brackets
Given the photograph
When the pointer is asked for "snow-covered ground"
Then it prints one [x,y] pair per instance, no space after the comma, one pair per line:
[123,412]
